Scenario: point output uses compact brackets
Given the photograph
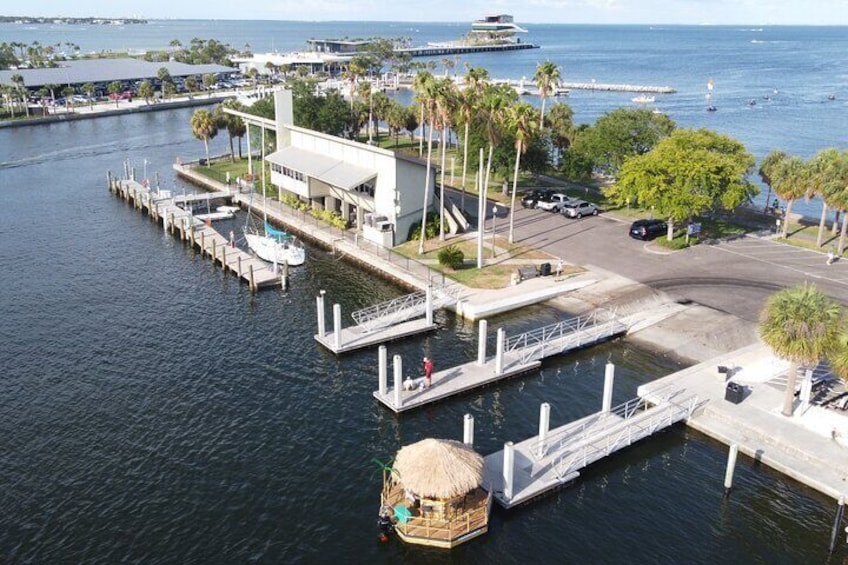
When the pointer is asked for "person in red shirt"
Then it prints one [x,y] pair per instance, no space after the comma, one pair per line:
[428,371]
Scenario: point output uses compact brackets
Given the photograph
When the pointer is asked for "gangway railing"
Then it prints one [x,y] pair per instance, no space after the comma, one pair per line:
[568,334]
[589,440]
[403,308]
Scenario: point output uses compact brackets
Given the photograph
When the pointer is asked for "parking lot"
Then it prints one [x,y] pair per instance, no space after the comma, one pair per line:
[733,276]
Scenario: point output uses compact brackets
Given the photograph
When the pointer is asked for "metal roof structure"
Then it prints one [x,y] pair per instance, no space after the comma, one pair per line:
[333,171]
[82,71]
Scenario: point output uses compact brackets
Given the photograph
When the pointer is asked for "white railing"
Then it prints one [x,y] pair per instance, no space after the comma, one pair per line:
[568,334]
[402,308]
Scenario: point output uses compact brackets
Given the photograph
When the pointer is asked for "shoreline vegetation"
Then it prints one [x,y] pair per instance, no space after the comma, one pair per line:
[70,20]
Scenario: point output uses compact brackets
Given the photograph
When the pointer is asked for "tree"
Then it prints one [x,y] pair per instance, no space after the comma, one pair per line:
[620,134]
[67,94]
[209,81]
[203,127]
[787,180]
[18,80]
[685,175]
[546,77]
[191,85]
[560,120]
[767,169]
[396,116]
[427,98]
[233,124]
[445,107]
[115,89]
[800,325]
[821,183]
[145,90]
[89,90]
[838,180]
[420,85]
[522,125]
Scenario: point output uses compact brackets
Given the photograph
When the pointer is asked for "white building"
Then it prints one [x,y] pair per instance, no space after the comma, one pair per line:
[378,191]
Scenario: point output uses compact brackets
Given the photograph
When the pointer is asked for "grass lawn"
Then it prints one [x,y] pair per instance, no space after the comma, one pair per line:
[495,273]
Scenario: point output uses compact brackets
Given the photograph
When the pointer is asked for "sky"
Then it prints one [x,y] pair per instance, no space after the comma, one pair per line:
[700,12]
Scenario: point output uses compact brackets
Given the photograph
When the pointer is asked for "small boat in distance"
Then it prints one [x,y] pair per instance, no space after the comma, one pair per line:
[644,99]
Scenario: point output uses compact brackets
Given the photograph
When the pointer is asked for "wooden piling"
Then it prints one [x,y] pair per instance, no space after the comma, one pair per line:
[252,280]
[731,465]
[214,252]
[837,522]
[224,259]
[109,184]
[202,244]
[239,267]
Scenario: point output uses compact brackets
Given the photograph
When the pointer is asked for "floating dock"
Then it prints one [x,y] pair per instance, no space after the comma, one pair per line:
[525,470]
[517,355]
[434,50]
[162,206]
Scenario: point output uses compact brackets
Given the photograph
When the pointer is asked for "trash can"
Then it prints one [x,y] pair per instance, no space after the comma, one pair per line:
[545,269]
[734,393]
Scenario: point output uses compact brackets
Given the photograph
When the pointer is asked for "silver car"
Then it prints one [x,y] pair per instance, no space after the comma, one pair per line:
[579,208]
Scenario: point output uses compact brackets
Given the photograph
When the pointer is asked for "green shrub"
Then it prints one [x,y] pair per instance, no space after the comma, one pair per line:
[329,217]
[451,256]
[293,201]
[432,228]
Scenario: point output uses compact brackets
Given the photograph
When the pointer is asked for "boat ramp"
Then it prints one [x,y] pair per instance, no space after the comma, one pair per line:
[516,355]
[162,206]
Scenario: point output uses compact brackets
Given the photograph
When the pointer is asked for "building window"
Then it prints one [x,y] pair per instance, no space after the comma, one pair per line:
[366,188]
[285,171]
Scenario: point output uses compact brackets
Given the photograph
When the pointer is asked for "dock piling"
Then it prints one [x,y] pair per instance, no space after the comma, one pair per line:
[337,325]
[214,252]
[508,471]
[499,355]
[731,465]
[382,362]
[429,304]
[544,427]
[252,280]
[203,246]
[398,370]
[837,522]
[609,377]
[319,301]
[239,267]
[468,430]
[481,342]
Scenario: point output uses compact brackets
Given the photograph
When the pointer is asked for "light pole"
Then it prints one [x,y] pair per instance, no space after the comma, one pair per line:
[494,217]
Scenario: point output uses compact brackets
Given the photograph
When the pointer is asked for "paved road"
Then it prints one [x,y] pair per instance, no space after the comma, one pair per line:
[735,276]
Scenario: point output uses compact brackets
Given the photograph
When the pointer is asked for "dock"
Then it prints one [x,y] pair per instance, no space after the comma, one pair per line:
[162,208]
[527,469]
[387,321]
[519,354]
[526,86]
[441,49]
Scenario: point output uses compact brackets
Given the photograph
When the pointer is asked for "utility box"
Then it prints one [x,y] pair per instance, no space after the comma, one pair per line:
[734,393]
[545,269]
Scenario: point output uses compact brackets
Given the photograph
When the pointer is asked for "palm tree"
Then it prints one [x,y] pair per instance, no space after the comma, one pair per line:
[822,183]
[801,325]
[560,120]
[419,85]
[191,85]
[89,89]
[115,88]
[787,180]
[546,77]
[18,80]
[427,97]
[203,127]
[838,175]
[522,124]
[466,105]
[493,106]
[146,91]
[445,105]
[768,167]
[477,78]
[234,124]
[67,93]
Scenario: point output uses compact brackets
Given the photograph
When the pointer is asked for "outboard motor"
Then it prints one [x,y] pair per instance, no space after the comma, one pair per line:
[384,523]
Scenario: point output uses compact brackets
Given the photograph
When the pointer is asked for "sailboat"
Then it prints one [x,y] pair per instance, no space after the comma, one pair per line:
[710,106]
[268,243]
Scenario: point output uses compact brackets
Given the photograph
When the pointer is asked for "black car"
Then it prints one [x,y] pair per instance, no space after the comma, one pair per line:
[647,229]
[530,199]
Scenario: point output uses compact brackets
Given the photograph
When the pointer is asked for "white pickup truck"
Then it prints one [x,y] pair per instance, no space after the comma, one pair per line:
[553,202]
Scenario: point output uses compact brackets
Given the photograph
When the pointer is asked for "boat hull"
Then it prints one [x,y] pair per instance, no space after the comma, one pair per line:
[269,249]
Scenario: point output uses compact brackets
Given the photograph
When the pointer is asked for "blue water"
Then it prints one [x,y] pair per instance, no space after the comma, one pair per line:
[153,410]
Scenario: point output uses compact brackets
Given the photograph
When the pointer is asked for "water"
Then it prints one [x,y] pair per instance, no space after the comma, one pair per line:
[154,410]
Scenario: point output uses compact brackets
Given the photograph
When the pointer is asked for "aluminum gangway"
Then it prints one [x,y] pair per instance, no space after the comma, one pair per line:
[553,458]
[403,308]
[563,336]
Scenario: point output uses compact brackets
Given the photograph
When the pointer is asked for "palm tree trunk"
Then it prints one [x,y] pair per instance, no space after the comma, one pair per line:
[821,224]
[206,145]
[488,169]
[542,114]
[442,188]
[426,191]
[789,393]
[768,200]
[232,150]
[786,217]
[464,165]
[421,138]
[841,247]
[835,227]
[514,187]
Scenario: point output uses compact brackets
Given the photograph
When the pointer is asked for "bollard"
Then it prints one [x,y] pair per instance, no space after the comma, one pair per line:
[837,521]
[481,342]
[544,427]
[508,471]
[382,362]
[398,367]
[499,355]
[731,464]
[429,304]
[337,326]
[609,377]
[319,300]
[468,430]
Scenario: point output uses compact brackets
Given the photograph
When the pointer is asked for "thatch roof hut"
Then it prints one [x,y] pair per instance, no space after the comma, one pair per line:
[439,469]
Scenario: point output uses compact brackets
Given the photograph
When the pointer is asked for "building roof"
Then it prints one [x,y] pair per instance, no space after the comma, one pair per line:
[316,165]
[106,70]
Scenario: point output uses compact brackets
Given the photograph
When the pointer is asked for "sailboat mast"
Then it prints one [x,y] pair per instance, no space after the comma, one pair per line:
[262,164]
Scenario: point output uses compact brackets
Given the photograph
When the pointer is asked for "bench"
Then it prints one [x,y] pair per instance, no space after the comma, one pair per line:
[527,273]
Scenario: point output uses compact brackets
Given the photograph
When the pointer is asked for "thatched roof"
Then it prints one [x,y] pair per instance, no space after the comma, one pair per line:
[439,468]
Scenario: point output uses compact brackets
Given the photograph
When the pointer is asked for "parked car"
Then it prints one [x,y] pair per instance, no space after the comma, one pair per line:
[553,202]
[530,199]
[579,208]
[647,229]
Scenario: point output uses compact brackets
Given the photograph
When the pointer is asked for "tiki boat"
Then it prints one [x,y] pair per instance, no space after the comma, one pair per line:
[432,494]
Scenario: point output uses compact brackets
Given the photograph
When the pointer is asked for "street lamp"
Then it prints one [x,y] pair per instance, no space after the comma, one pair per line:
[494,217]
